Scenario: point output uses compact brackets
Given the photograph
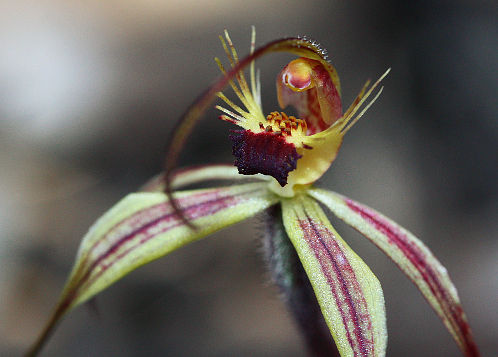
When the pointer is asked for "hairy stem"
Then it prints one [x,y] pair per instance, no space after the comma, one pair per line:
[288,274]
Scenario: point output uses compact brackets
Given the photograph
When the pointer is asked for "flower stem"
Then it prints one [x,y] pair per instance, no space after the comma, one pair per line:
[35,349]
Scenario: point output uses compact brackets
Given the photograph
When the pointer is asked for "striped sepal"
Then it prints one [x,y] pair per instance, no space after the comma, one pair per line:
[412,257]
[349,294]
[143,227]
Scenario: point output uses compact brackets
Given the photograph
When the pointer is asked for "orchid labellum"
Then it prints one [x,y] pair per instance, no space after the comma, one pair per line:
[284,155]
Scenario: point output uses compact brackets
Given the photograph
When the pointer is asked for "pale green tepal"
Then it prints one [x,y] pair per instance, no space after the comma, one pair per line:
[285,156]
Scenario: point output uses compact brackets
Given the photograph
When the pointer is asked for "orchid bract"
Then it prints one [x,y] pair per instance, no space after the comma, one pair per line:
[283,156]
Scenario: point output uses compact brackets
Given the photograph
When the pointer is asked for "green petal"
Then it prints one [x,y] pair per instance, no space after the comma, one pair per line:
[143,227]
[192,175]
[412,257]
[349,294]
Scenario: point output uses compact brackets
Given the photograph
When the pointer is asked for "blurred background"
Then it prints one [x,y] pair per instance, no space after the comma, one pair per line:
[90,90]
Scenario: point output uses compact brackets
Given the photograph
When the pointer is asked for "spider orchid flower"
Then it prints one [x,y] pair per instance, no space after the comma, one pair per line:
[285,155]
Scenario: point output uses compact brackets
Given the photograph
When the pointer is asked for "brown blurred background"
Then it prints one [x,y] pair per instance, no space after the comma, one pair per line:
[89,91]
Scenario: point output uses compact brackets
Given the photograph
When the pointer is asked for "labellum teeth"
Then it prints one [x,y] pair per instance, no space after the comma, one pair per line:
[264,153]
[287,124]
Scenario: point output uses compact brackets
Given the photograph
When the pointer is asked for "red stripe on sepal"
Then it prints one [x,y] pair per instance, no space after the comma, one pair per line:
[349,294]
[449,303]
[413,258]
[343,285]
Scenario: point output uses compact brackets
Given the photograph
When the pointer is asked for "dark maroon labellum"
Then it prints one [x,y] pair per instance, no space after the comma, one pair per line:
[263,153]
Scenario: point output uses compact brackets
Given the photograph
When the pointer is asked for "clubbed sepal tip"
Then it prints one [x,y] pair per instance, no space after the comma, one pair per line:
[265,153]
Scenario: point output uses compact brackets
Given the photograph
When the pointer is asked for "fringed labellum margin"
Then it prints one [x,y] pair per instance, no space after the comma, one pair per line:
[294,151]
[288,155]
